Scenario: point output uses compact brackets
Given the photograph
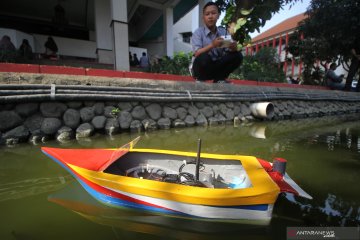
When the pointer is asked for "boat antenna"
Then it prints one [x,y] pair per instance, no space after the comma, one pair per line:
[198,161]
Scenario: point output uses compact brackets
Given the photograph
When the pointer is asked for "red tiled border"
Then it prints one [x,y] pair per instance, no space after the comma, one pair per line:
[27,68]
[244,82]
[104,73]
[61,70]
[158,76]
[31,68]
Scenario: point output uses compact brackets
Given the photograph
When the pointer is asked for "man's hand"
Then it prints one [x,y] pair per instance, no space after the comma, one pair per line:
[217,42]
[233,47]
[355,54]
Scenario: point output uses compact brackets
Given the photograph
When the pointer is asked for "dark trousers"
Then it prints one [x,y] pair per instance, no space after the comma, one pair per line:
[204,68]
[354,66]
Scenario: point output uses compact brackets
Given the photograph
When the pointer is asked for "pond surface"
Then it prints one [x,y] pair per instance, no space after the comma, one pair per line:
[40,200]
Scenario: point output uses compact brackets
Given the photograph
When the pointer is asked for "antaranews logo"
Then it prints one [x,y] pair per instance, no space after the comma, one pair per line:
[327,234]
[299,234]
[348,233]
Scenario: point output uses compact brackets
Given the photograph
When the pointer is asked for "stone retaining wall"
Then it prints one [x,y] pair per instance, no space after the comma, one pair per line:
[35,122]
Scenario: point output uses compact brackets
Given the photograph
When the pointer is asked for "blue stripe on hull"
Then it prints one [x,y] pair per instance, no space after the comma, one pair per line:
[258,207]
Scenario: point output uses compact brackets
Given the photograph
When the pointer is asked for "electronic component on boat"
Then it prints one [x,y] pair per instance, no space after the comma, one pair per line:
[227,177]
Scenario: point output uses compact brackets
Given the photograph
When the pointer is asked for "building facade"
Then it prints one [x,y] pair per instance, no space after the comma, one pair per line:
[277,37]
[103,30]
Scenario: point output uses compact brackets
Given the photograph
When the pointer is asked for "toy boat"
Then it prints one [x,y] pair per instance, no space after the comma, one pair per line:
[191,185]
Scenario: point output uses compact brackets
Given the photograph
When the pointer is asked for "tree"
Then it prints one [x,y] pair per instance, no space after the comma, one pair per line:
[329,31]
[179,64]
[245,16]
[263,66]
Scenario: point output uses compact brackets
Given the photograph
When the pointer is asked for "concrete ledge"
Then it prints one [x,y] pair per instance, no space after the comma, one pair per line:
[20,80]
[45,69]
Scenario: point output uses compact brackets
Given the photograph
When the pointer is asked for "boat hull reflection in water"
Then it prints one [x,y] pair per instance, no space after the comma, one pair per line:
[73,197]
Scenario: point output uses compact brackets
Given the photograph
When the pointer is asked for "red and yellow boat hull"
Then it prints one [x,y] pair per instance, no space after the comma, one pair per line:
[215,204]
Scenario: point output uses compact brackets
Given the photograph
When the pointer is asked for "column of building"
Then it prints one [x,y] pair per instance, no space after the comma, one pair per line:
[104,48]
[112,36]
[120,33]
[168,31]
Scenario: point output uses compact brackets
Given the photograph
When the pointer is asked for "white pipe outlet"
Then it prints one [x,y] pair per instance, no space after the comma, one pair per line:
[262,110]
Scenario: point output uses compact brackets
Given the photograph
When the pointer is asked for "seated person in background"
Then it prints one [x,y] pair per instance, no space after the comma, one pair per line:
[130,59]
[144,61]
[25,50]
[6,44]
[293,80]
[354,66]
[51,48]
[7,50]
[135,60]
[297,81]
[211,60]
[333,80]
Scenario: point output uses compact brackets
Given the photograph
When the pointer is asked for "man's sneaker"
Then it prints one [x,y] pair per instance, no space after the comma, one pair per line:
[222,81]
[198,81]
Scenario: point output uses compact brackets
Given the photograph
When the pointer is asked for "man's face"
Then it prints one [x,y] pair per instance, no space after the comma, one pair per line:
[210,16]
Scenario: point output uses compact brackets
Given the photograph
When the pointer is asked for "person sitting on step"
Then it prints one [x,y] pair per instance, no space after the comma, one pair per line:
[333,80]
[211,60]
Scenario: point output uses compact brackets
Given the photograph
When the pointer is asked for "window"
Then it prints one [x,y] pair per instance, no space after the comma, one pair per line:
[186,36]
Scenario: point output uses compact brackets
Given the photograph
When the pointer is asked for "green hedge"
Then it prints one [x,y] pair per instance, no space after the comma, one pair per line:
[263,66]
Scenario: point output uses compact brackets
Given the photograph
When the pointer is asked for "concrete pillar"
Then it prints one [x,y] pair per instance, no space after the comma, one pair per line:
[120,34]
[168,31]
[104,45]
[195,19]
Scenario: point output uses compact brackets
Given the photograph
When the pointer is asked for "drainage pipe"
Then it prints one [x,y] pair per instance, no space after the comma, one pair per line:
[262,110]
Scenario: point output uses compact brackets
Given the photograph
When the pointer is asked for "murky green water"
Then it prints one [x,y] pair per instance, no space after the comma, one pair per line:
[40,200]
